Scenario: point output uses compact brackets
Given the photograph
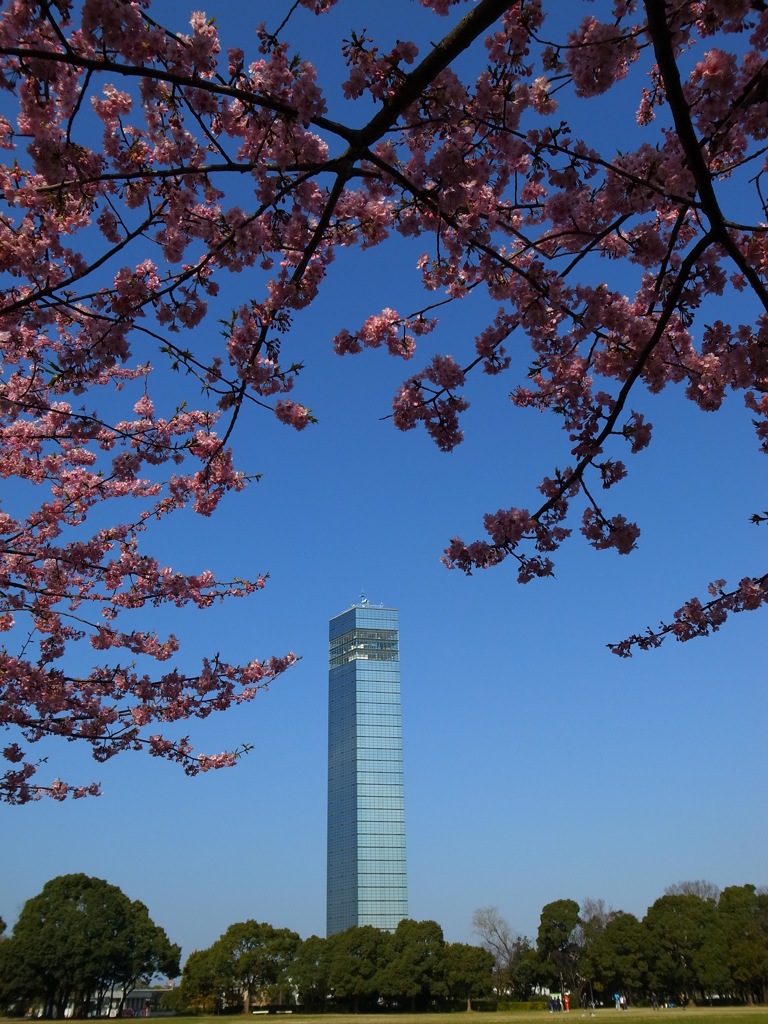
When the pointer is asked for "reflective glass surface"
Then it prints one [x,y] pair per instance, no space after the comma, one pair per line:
[366,816]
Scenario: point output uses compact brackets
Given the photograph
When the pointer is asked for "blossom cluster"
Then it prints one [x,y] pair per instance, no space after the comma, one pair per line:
[120,137]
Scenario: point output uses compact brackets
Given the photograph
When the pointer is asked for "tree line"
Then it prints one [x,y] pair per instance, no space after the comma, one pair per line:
[359,970]
[694,943]
[81,940]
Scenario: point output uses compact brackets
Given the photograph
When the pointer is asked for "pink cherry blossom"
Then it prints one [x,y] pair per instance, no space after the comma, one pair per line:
[144,165]
[292,413]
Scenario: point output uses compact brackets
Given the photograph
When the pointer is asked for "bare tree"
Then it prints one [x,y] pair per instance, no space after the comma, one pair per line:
[517,968]
[704,890]
[495,934]
[594,914]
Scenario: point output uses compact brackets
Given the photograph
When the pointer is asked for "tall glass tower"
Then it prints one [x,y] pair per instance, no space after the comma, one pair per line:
[366,815]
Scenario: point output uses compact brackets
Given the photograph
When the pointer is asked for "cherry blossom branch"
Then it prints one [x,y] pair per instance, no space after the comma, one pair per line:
[179,79]
[510,200]
[696,619]
[510,528]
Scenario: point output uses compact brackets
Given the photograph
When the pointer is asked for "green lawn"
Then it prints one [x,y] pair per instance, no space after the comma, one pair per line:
[692,1015]
[699,1014]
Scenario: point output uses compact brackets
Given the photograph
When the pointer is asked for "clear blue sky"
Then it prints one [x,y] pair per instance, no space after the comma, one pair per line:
[538,765]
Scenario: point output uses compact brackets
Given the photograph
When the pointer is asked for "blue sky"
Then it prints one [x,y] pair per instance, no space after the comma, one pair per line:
[538,766]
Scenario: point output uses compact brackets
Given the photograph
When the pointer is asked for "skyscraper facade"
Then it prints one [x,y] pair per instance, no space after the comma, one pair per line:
[366,811]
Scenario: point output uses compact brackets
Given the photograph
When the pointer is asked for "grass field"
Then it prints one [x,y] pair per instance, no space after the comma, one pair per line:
[691,1015]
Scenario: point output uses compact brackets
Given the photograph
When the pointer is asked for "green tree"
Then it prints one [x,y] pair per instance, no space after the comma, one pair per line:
[172,1001]
[743,912]
[255,959]
[678,927]
[614,957]
[80,939]
[9,989]
[144,951]
[469,971]
[203,981]
[558,944]
[415,970]
[710,961]
[523,970]
[594,917]
[310,973]
[356,956]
